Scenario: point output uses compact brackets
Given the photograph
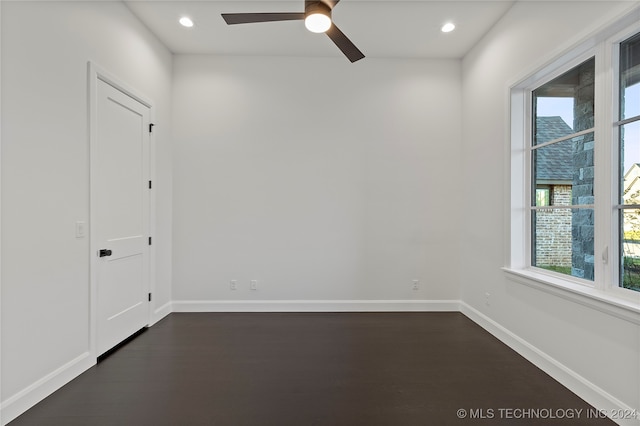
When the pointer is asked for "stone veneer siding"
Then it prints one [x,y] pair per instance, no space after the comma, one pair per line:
[582,192]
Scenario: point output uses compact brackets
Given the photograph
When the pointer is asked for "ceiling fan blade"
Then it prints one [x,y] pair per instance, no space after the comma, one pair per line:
[250,18]
[344,44]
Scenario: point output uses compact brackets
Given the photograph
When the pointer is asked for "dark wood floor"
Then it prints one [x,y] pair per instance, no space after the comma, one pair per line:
[262,369]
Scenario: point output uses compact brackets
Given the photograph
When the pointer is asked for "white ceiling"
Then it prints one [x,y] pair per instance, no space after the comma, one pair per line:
[380,29]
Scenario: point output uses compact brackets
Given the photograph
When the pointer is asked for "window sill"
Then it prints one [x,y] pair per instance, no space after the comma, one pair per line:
[620,307]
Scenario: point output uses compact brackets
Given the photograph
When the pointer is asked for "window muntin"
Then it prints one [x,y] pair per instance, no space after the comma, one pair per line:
[562,155]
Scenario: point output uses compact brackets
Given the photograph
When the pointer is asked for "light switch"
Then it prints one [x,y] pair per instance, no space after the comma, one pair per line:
[81,229]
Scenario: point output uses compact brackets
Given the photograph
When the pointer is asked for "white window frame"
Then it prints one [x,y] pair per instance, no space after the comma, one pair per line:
[603,293]
[613,55]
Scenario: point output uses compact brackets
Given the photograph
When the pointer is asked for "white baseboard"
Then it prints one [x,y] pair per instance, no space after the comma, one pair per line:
[39,390]
[161,312]
[582,387]
[316,306]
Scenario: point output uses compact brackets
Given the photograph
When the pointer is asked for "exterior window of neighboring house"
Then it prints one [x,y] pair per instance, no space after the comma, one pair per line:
[562,143]
[575,169]
[628,126]
[543,196]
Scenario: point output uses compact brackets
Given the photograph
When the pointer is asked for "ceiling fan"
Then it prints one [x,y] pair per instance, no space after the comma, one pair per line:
[317,18]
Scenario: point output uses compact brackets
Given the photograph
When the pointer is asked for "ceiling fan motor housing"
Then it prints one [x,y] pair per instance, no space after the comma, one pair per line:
[317,7]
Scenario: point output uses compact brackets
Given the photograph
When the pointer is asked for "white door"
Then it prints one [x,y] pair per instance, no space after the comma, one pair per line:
[120,200]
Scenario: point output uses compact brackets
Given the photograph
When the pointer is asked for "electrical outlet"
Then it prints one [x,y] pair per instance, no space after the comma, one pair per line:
[487,299]
[416,285]
[233,285]
[253,285]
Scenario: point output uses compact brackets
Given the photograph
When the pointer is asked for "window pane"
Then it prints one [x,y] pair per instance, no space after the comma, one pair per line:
[569,168]
[563,238]
[629,194]
[564,105]
[630,160]
[630,249]
[543,197]
[563,241]
[630,78]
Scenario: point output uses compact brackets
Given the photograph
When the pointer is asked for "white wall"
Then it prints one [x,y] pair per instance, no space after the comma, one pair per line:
[323,180]
[592,346]
[45,178]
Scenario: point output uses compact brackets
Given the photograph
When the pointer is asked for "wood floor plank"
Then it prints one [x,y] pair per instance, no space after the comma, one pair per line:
[262,369]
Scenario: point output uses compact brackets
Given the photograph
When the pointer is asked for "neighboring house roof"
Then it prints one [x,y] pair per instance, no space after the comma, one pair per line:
[554,163]
[632,184]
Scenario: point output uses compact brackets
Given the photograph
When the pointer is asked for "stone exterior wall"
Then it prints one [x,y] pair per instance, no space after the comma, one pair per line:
[582,220]
[554,230]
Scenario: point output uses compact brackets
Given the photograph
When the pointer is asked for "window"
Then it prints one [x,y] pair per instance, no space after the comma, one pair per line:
[543,196]
[575,168]
[628,129]
[561,152]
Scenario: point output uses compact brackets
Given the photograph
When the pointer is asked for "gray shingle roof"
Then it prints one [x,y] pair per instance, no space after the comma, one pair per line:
[553,162]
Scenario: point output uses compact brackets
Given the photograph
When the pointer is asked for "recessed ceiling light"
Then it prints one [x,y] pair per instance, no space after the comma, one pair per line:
[186,22]
[448,27]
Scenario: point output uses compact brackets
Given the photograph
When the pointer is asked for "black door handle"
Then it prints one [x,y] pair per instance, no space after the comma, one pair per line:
[104,252]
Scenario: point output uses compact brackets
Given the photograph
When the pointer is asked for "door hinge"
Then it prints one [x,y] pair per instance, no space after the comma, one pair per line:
[149,240]
[151,127]
[149,297]
[149,184]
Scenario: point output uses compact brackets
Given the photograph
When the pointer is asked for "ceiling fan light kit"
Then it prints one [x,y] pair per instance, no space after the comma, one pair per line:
[317,17]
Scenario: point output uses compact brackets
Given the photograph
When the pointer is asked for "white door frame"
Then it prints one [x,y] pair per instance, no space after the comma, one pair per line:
[95,74]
